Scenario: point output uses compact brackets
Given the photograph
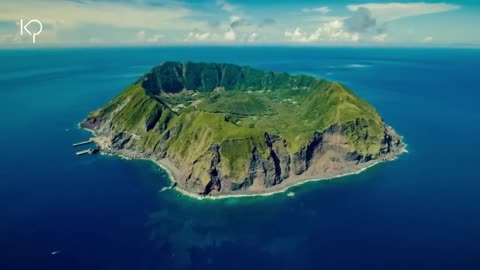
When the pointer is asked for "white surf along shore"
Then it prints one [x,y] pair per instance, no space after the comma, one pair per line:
[168,168]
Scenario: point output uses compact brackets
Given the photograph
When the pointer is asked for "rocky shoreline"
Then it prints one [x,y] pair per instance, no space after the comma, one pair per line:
[105,145]
[228,130]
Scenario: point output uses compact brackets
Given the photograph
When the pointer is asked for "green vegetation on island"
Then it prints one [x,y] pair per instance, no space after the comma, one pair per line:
[228,129]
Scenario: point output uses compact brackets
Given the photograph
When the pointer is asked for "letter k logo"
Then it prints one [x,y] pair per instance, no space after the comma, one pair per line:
[25,28]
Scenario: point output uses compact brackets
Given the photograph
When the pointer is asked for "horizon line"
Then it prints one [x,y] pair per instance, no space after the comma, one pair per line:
[182,45]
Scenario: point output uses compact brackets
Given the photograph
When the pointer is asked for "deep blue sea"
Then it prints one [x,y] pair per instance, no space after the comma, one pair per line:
[421,211]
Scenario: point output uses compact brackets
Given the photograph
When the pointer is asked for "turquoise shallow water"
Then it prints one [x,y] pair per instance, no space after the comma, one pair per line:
[101,212]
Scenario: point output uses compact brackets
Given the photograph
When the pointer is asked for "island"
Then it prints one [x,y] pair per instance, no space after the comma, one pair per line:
[224,130]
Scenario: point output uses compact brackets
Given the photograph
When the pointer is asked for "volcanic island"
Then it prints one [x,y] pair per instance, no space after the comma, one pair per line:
[223,130]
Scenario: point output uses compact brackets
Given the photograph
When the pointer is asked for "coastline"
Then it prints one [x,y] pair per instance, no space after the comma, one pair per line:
[169,171]
[273,192]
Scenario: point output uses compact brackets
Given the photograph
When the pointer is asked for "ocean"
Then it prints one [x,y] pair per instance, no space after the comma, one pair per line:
[60,211]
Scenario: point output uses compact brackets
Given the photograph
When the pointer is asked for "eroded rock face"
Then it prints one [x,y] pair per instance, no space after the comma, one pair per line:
[216,146]
[326,153]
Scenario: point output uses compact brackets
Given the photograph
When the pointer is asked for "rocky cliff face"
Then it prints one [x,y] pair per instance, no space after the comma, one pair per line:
[212,154]
[326,154]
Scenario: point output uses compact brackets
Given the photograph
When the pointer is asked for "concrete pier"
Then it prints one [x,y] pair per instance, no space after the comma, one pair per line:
[82,143]
[87,151]
[84,152]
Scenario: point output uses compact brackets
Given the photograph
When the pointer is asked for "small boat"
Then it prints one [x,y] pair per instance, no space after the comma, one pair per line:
[290,194]
[55,252]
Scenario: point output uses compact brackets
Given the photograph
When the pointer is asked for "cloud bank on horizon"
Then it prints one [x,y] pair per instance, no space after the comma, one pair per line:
[69,23]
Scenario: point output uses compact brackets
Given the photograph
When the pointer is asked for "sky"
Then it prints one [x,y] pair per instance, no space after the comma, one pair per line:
[100,23]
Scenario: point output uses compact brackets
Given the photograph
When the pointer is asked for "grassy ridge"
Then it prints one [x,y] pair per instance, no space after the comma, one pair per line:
[198,105]
[173,77]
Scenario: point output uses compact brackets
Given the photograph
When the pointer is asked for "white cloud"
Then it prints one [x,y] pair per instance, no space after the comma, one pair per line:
[329,31]
[297,35]
[323,10]
[68,14]
[141,36]
[155,38]
[355,37]
[230,35]
[252,37]
[6,38]
[327,18]
[235,18]
[129,22]
[94,40]
[380,37]
[226,6]
[394,11]
[428,39]
[195,36]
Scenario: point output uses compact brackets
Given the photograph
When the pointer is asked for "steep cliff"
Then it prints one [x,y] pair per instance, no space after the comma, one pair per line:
[227,129]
